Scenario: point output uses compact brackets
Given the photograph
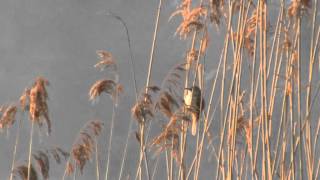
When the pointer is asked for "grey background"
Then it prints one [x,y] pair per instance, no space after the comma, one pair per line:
[57,39]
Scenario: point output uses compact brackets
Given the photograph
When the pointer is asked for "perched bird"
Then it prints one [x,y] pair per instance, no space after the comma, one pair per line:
[193,101]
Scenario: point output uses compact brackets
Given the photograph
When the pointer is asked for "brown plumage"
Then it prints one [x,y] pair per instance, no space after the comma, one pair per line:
[194,103]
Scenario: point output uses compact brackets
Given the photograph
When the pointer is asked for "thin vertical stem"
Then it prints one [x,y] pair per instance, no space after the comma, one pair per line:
[110,140]
[142,126]
[30,149]
[155,33]
[134,86]
[97,159]
[15,148]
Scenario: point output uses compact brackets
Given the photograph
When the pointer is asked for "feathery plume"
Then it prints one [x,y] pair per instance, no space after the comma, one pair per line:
[106,61]
[192,18]
[22,172]
[8,116]
[216,7]
[107,86]
[143,110]
[169,137]
[38,110]
[25,100]
[83,148]
[167,104]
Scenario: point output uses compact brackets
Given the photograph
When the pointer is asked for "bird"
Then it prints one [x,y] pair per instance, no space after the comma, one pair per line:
[194,103]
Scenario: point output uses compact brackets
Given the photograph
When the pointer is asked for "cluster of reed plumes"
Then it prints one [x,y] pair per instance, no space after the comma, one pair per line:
[83,148]
[41,165]
[256,119]
[33,101]
[258,116]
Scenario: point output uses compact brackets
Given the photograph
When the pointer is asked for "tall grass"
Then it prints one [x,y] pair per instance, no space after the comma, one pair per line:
[258,116]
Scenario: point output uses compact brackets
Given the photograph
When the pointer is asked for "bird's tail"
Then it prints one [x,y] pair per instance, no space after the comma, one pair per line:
[195,118]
